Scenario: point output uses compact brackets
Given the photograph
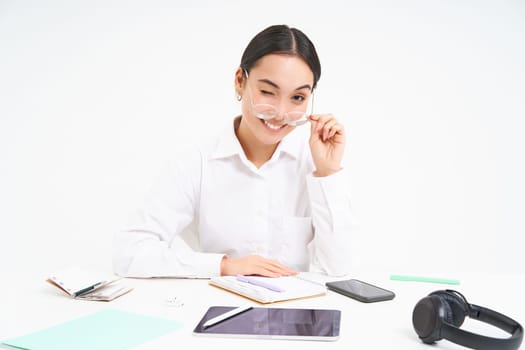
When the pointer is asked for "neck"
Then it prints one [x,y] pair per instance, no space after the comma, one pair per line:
[257,152]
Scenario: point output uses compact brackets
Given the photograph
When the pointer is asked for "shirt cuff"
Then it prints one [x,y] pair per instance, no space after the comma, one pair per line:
[208,265]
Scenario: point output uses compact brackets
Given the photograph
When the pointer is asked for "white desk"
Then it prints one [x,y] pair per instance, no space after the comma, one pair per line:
[31,305]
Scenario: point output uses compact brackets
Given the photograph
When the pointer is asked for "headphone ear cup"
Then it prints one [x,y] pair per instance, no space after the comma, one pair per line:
[426,318]
[454,306]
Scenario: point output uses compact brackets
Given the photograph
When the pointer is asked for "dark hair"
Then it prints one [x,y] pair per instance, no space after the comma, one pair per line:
[281,39]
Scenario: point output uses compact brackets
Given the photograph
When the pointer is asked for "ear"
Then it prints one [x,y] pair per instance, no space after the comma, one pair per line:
[239,81]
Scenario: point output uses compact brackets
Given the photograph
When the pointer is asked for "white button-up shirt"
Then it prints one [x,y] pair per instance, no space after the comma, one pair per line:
[212,201]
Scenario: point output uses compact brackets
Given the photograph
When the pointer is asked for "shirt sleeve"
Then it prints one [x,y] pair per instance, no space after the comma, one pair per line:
[332,220]
[151,245]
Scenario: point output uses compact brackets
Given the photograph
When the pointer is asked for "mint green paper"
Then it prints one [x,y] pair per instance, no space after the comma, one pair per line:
[107,329]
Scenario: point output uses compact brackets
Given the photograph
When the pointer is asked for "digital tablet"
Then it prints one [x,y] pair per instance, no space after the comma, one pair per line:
[273,323]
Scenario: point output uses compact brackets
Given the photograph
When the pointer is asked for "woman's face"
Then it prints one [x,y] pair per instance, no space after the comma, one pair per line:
[281,81]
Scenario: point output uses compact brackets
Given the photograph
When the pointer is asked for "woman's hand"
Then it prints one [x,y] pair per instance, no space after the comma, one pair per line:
[254,265]
[327,143]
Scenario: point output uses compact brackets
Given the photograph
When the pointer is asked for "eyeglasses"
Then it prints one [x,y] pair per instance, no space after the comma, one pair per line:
[266,111]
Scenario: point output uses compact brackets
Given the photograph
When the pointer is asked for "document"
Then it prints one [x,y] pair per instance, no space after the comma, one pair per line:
[269,290]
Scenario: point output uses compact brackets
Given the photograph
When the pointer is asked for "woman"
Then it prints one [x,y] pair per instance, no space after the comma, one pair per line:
[261,198]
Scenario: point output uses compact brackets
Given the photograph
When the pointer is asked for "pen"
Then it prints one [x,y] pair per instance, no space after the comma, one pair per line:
[259,283]
[225,316]
[86,290]
[423,279]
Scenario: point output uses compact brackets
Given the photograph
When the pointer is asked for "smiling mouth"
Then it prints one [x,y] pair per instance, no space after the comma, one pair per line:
[273,126]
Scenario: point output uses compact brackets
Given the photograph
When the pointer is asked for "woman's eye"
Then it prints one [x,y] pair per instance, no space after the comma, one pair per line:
[266,92]
[298,98]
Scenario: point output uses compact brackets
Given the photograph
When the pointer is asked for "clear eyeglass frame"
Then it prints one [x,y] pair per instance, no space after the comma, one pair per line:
[267,111]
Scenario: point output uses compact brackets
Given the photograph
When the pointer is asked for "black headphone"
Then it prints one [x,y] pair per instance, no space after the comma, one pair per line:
[440,314]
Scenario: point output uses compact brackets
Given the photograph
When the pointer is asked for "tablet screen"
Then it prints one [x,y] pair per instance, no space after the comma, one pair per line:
[275,323]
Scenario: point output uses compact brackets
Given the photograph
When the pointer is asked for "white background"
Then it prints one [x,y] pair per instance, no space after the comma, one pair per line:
[95,97]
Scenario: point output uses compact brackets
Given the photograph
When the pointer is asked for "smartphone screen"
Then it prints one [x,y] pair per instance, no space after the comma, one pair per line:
[360,290]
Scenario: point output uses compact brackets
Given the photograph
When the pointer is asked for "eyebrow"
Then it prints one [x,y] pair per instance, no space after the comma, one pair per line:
[269,82]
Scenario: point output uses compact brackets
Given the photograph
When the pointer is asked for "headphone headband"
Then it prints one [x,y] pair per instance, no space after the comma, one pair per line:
[481,342]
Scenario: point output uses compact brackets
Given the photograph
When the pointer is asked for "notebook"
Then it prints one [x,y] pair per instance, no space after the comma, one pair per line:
[88,284]
[292,287]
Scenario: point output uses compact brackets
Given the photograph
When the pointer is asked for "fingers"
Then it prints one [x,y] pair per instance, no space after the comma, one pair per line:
[267,267]
[255,265]
[275,267]
[325,126]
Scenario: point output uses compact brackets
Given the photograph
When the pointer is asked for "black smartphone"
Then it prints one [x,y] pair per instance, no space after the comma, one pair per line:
[359,290]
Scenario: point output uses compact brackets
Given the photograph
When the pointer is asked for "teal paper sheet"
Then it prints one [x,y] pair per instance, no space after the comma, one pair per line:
[107,329]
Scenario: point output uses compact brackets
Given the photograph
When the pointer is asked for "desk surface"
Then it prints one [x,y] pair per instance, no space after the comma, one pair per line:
[31,305]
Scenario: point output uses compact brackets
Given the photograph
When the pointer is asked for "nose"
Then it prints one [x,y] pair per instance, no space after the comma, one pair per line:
[280,116]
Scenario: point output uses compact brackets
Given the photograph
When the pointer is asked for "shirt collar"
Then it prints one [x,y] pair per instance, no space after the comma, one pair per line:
[228,144]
